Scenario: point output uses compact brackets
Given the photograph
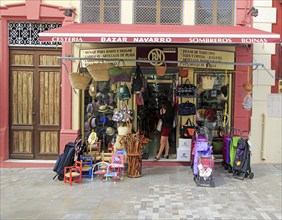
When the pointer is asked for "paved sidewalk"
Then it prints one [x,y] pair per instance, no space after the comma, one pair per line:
[161,193]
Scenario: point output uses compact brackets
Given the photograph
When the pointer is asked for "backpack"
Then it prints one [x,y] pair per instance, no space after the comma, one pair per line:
[123,92]
[138,81]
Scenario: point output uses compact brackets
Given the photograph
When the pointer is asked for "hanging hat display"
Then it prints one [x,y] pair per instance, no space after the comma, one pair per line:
[110,131]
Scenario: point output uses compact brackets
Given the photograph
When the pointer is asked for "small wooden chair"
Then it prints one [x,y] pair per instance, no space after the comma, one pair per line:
[87,165]
[73,173]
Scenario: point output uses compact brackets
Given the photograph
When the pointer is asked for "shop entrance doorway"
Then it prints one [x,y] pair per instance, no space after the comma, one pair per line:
[158,90]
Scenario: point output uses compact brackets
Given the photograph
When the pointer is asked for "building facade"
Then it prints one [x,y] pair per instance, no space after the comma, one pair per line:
[40,112]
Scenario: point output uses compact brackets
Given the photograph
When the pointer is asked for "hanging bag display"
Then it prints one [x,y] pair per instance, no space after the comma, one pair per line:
[99,71]
[124,130]
[138,81]
[187,130]
[187,90]
[122,115]
[79,79]
[186,108]
[123,92]
[207,82]
[120,73]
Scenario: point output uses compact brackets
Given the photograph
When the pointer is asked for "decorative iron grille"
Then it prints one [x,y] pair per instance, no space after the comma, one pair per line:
[158,12]
[215,12]
[27,34]
[100,11]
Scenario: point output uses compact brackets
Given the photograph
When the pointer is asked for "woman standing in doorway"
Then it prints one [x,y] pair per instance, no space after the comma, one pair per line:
[166,114]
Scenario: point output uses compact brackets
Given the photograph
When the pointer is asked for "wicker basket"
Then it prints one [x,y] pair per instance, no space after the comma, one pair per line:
[79,80]
[160,70]
[99,71]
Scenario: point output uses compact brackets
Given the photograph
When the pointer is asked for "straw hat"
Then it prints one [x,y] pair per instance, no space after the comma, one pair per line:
[110,131]
[93,138]
[103,108]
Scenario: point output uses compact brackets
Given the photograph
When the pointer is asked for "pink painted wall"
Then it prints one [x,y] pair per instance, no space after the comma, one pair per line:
[276,64]
[241,117]
[31,10]
[242,8]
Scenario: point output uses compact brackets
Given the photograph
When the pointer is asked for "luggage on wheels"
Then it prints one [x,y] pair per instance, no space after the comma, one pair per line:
[242,161]
[65,159]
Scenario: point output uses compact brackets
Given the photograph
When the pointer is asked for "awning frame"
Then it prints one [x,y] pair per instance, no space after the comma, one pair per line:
[255,65]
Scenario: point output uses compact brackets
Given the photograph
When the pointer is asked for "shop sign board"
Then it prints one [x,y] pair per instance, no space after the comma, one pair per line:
[121,53]
[199,58]
[198,40]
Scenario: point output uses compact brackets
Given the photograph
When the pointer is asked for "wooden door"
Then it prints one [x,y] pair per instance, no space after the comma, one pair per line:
[34,104]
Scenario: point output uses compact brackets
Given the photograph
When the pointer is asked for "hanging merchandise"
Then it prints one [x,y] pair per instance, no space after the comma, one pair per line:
[183,71]
[186,108]
[123,92]
[79,79]
[92,89]
[99,71]
[120,73]
[207,82]
[122,115]
[138,81]
[187,130]
[160,70]
[248,86]
[139,99]
[187,90]
[248,101]
[124,130]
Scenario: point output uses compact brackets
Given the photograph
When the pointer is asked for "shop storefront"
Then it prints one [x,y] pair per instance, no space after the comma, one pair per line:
[215,61]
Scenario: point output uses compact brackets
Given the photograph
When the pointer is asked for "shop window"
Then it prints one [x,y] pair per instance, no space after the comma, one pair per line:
[101,11]
[216,12]
[158,12]
[27,34]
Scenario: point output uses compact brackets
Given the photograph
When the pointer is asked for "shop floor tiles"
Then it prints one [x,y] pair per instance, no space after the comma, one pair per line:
[161,193]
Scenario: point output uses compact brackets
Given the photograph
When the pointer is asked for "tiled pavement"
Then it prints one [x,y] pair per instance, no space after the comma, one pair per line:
[161,193]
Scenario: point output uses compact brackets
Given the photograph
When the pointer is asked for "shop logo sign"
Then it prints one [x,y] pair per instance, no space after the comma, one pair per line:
[156,55]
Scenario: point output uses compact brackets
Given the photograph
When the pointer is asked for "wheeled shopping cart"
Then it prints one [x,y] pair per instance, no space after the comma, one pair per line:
[205,176]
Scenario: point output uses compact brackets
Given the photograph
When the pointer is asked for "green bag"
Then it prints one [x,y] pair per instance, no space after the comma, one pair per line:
[120,73]
[123,92]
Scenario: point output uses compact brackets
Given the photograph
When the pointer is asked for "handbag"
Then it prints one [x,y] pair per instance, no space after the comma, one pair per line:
[187,90]
[124,130]
[122,115]
[187,130]
[159,125]
[120,73]
[123,92]
[186,108]
[207,82]
[99,71]
[138,81]
[79,79]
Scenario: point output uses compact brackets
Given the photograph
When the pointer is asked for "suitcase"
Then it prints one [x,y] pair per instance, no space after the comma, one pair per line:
[65,159]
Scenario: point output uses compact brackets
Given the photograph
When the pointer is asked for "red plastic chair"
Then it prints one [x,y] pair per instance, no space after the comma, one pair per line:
[73,173]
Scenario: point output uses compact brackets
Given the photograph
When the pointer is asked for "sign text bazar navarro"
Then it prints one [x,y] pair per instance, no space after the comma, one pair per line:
[160,40]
